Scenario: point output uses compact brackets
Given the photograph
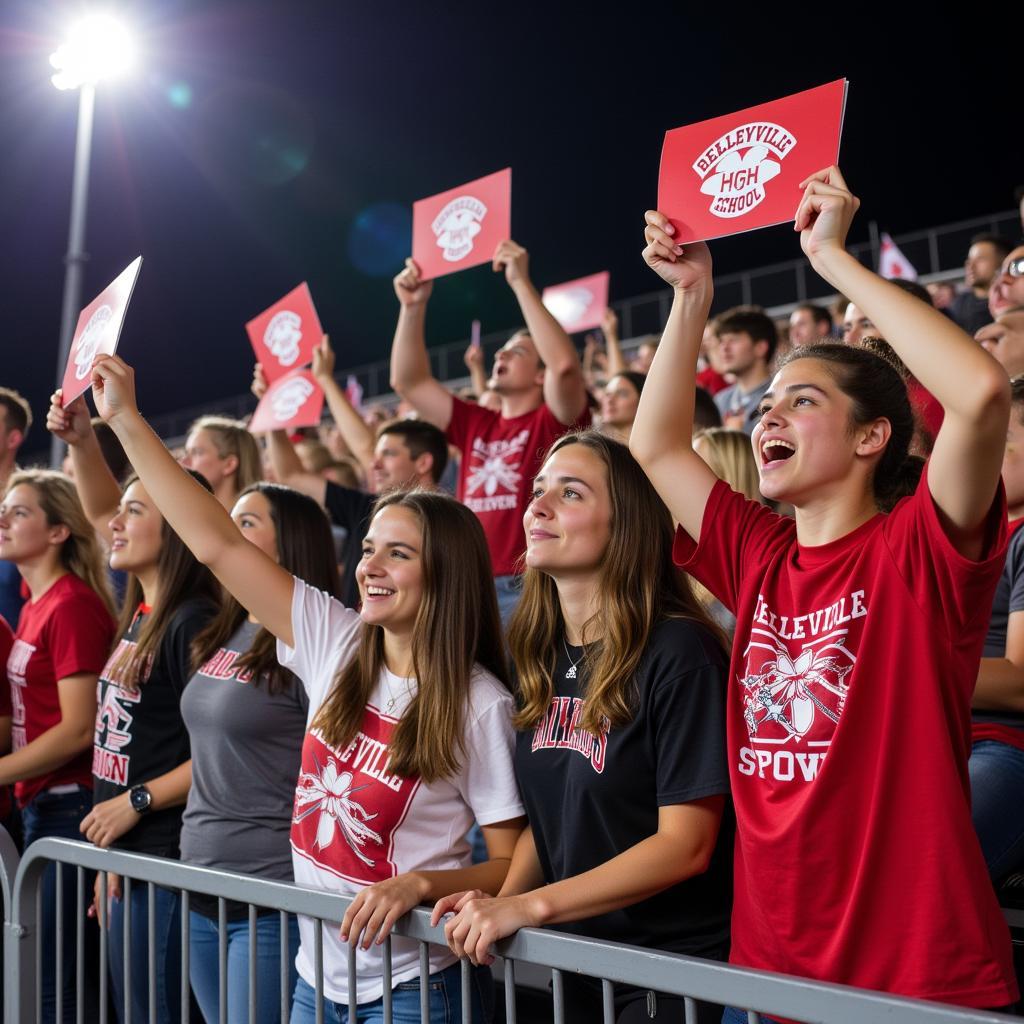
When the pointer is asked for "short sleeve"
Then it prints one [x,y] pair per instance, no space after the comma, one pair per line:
[954,590]
[1015,571]
[186,625]
[737,537]
[79,634]
[465,423]
[326,634]
[487,781]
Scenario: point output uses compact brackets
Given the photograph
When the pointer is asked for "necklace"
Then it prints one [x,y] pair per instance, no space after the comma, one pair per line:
[571,671]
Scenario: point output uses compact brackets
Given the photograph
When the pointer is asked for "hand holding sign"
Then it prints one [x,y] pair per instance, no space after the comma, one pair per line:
[295,400]
[410,288]
[686,269]
[68,422]
[514,260]
[825,213]
[113,388]
[323,360]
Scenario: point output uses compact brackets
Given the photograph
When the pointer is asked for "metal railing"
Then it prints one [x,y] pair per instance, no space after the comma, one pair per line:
[937,253]
[684,977]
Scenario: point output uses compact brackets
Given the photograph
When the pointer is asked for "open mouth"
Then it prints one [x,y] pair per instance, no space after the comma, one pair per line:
[776,450]
[379,592]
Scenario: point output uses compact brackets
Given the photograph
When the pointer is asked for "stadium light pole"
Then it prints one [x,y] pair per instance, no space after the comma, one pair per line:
[97,47]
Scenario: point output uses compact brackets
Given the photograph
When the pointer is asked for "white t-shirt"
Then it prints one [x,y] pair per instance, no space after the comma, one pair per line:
[354,822]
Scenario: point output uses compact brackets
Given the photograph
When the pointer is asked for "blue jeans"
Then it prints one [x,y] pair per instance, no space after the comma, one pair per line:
[57,815]
[510,589]
[167,950]
[445,1001]
[204,966]
[997,782]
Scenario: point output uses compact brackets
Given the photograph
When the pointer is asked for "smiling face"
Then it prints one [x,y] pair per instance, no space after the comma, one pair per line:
[393,464]
[390,573]
[619,402]
[568,520]
[137,530]
[252,516]
[517,366]
[25,535]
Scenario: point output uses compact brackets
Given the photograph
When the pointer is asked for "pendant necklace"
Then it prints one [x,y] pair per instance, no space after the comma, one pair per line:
[571,671]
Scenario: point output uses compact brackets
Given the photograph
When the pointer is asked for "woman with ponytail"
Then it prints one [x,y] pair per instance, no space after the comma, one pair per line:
[860,625]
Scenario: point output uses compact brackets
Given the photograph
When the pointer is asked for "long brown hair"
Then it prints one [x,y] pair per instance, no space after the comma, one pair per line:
[456,626]
[305,548]
[81,553]
[639,586]
[180,577]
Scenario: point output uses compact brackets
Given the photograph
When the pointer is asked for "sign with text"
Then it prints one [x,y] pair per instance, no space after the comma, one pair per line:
[578,305]
[284,336]
[462,227]
[295,400]
[743,171]
[98,330]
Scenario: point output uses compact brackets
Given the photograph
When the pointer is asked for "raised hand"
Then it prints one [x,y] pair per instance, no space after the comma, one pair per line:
[684,268]
[113,388]
[70,423]
[411,291]
[514,260]
[323,360]
[259,381]
[825,213]
[610,323]
[473,357]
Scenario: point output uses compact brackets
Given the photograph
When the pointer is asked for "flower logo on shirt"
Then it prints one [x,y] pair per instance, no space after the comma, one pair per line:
[495,465]
[330,793]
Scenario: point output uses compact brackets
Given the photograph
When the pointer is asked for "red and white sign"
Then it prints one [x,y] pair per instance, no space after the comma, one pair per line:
[284,336]
[892,263]
[295,400]
[462,227]
[99,327]
[578,305]
[743,171]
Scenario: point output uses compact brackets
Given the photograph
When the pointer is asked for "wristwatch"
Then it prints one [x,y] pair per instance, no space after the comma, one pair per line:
[141,799]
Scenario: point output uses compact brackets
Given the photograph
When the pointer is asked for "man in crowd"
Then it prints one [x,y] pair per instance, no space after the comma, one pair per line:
[1007,291]
[15,420]
[746,345]
[539,379]
[984,257]
[809,325]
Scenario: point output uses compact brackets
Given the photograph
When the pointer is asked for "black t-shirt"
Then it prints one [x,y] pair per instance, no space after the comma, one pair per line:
[351,510]
[140,734]
[589,800]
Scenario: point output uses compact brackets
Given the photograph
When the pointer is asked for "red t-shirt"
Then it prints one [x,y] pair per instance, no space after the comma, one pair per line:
[500,458]
[711,381]
[848,727]
[66,632]
[927,409]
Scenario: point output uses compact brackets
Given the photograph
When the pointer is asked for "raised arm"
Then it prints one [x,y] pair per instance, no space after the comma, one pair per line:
[352,427]
[411,376]
[256,580]
[610,328]
[971,386]
[474,360]
[662,436]
[564,390]
[97,488]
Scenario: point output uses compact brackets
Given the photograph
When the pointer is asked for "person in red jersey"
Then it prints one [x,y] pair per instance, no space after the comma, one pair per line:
[64,635]
[859,630]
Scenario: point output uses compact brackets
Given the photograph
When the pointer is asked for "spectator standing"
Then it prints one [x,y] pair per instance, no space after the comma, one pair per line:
[224,452]
[15,420]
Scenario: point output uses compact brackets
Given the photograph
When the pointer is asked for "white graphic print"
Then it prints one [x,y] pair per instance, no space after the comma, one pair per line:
[329,794]
[569,306]
[494,473]
[89,343]
[457,225]
[283,335]
[739,166]
[17,667]
[795,687]
[289,399]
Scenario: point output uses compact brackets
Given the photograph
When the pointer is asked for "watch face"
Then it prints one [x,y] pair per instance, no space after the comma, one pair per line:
[141,798]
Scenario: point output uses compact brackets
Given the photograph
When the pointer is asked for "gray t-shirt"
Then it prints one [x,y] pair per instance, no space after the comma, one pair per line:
[246,750]
[734,401]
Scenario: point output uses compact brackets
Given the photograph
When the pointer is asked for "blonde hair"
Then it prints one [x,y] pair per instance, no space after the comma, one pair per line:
[730,457]
[81,553]
[231,437]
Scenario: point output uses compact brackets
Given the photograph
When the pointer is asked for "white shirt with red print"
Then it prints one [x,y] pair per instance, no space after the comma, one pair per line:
[355,822]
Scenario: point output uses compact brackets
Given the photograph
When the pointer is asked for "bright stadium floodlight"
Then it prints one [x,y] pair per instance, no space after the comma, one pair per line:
[97,47]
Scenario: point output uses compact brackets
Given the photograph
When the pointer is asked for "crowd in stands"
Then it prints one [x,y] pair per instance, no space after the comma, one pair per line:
[717,648]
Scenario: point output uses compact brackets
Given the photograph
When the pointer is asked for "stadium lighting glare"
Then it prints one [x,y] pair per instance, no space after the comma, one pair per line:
[97,47]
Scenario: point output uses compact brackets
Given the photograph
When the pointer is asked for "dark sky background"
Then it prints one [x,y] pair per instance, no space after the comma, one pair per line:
[261,144]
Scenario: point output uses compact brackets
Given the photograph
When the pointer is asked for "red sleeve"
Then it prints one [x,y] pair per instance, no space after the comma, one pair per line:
[79,633]
[737,537]
[6,643]
[465,422]
[954,590]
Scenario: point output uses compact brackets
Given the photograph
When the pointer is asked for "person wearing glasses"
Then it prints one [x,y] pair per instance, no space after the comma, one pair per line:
[1007,290]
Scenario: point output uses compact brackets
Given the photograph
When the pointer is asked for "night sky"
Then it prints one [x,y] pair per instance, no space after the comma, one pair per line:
[261,144]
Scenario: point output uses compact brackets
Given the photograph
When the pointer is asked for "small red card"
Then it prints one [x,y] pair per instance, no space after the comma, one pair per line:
[284,336]
[462,227]
[99,327]
[295,400]
[578,305]
[743,171]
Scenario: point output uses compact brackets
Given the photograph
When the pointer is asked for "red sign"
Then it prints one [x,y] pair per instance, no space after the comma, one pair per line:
[462,227]
[285,335]
[578,305]
[294,400]
[743,171]
[99,327]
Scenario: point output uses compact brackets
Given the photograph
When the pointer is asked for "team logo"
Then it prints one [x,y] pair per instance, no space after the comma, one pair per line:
[90,341]
[289,399]
[736,168]
[282,336]
[569,306]
[457,225]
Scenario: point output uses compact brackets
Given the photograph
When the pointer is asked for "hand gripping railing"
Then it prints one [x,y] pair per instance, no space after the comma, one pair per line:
[610,962]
